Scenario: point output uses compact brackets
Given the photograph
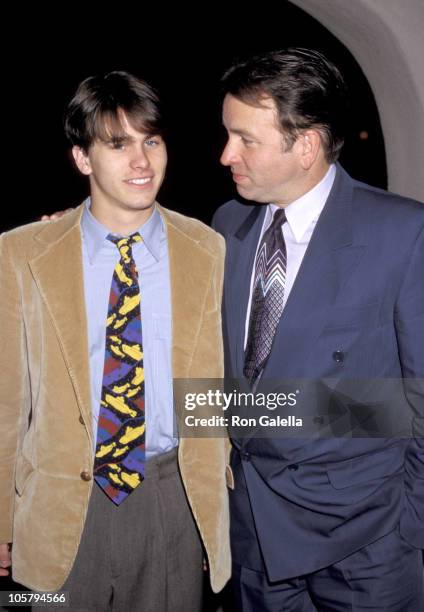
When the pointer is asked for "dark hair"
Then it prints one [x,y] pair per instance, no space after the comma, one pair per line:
[308,91]
[94,111]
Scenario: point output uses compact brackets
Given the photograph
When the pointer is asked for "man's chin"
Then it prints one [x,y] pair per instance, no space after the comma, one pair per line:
[244,193]
[248,194]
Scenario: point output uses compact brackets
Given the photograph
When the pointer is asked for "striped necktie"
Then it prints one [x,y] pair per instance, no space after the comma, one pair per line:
[267,297]
[120,450]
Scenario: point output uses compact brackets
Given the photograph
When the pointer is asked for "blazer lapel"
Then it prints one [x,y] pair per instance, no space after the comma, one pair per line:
[241,249]
[329,260]
[191,268]
[58,273]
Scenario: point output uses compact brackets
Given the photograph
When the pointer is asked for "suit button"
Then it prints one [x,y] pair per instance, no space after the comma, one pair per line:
[85,475]
[293,467]
[338,356]
[81,420]
[319,420]
[245,455]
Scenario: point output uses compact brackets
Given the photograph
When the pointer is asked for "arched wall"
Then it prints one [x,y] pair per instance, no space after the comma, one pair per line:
[385,37]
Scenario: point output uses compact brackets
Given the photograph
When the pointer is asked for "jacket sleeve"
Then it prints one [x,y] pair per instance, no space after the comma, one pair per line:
[14,384]
[409,322]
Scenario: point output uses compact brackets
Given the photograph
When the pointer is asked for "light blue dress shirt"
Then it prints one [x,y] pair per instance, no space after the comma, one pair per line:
[99,257]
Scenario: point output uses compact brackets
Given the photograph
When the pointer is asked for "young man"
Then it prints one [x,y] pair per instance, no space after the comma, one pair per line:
[100,310]
[323,280]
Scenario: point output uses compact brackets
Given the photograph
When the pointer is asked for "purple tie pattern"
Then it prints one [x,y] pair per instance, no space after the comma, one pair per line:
[120,449]
[267,297]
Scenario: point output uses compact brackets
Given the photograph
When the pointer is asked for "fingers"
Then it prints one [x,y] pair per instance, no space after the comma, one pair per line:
[55,215]
[5,559]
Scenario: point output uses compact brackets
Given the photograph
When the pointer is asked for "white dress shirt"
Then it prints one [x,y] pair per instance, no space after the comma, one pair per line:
[302,216]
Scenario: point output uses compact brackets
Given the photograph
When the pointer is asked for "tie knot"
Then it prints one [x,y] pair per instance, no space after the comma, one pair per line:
[279,217]
[124,244]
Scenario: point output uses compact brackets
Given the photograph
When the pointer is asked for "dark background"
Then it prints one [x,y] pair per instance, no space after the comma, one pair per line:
[183,53]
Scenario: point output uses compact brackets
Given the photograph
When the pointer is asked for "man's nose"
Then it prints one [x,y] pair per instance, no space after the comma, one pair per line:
[229,155]
[140,159]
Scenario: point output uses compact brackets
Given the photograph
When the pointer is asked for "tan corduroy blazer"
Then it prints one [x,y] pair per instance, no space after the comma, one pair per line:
[46,449]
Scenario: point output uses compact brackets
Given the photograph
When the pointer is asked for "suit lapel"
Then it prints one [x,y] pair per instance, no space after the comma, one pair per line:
[58,273]
[241,249]
[191,269]
[328,262]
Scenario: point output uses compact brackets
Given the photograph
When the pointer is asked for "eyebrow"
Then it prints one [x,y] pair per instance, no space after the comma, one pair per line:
[122,138]
[118,138]
[241,132]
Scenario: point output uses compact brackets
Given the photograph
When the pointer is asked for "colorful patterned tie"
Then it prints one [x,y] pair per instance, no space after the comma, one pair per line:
[120,451]
[267,297]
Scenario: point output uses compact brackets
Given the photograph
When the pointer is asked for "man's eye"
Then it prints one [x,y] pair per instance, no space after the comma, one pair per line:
[118,146]
[152,142]
[246,141]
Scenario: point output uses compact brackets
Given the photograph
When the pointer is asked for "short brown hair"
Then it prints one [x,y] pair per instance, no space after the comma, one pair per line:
[307,89]
[96,106]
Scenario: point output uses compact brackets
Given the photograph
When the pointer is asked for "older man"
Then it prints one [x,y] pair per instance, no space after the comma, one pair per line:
[323,280]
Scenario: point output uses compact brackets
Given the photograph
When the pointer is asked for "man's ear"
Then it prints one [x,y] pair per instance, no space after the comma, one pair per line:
[311,145]
[82,160]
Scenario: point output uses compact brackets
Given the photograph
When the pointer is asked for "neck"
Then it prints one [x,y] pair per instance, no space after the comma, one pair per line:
[122,222]
[308,180]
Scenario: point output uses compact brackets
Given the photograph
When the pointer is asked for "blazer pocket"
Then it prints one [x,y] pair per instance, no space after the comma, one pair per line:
[24,470]
[366,468]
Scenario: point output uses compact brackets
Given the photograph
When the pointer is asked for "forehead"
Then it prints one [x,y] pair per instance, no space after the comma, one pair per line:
[120,125]
[237,114]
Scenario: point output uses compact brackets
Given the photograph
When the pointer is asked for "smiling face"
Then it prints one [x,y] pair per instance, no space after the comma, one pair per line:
[125,171]
[262,167]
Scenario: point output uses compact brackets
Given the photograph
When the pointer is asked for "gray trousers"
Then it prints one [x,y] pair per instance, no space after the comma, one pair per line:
[142,556]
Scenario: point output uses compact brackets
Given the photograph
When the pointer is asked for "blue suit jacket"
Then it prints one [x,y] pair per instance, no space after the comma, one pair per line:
[356,311]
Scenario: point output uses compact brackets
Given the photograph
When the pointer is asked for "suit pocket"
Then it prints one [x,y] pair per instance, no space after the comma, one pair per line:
[24,470]
[366,468]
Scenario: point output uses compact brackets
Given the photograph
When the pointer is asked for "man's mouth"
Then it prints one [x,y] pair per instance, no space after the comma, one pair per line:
[140,181]
[238,177]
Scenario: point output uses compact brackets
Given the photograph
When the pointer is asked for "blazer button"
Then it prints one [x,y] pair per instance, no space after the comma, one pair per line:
[81,420]
[338,356]
[85,475]
[245,455]
[293,467]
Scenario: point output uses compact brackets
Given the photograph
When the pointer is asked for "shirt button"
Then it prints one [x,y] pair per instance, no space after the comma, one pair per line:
[85,475]
[293,467]
[338,356]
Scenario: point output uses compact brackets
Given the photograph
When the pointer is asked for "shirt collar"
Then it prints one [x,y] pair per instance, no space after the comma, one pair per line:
[95,234]
[304,211]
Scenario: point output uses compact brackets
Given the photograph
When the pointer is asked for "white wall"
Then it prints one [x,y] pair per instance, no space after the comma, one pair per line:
[386,38]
